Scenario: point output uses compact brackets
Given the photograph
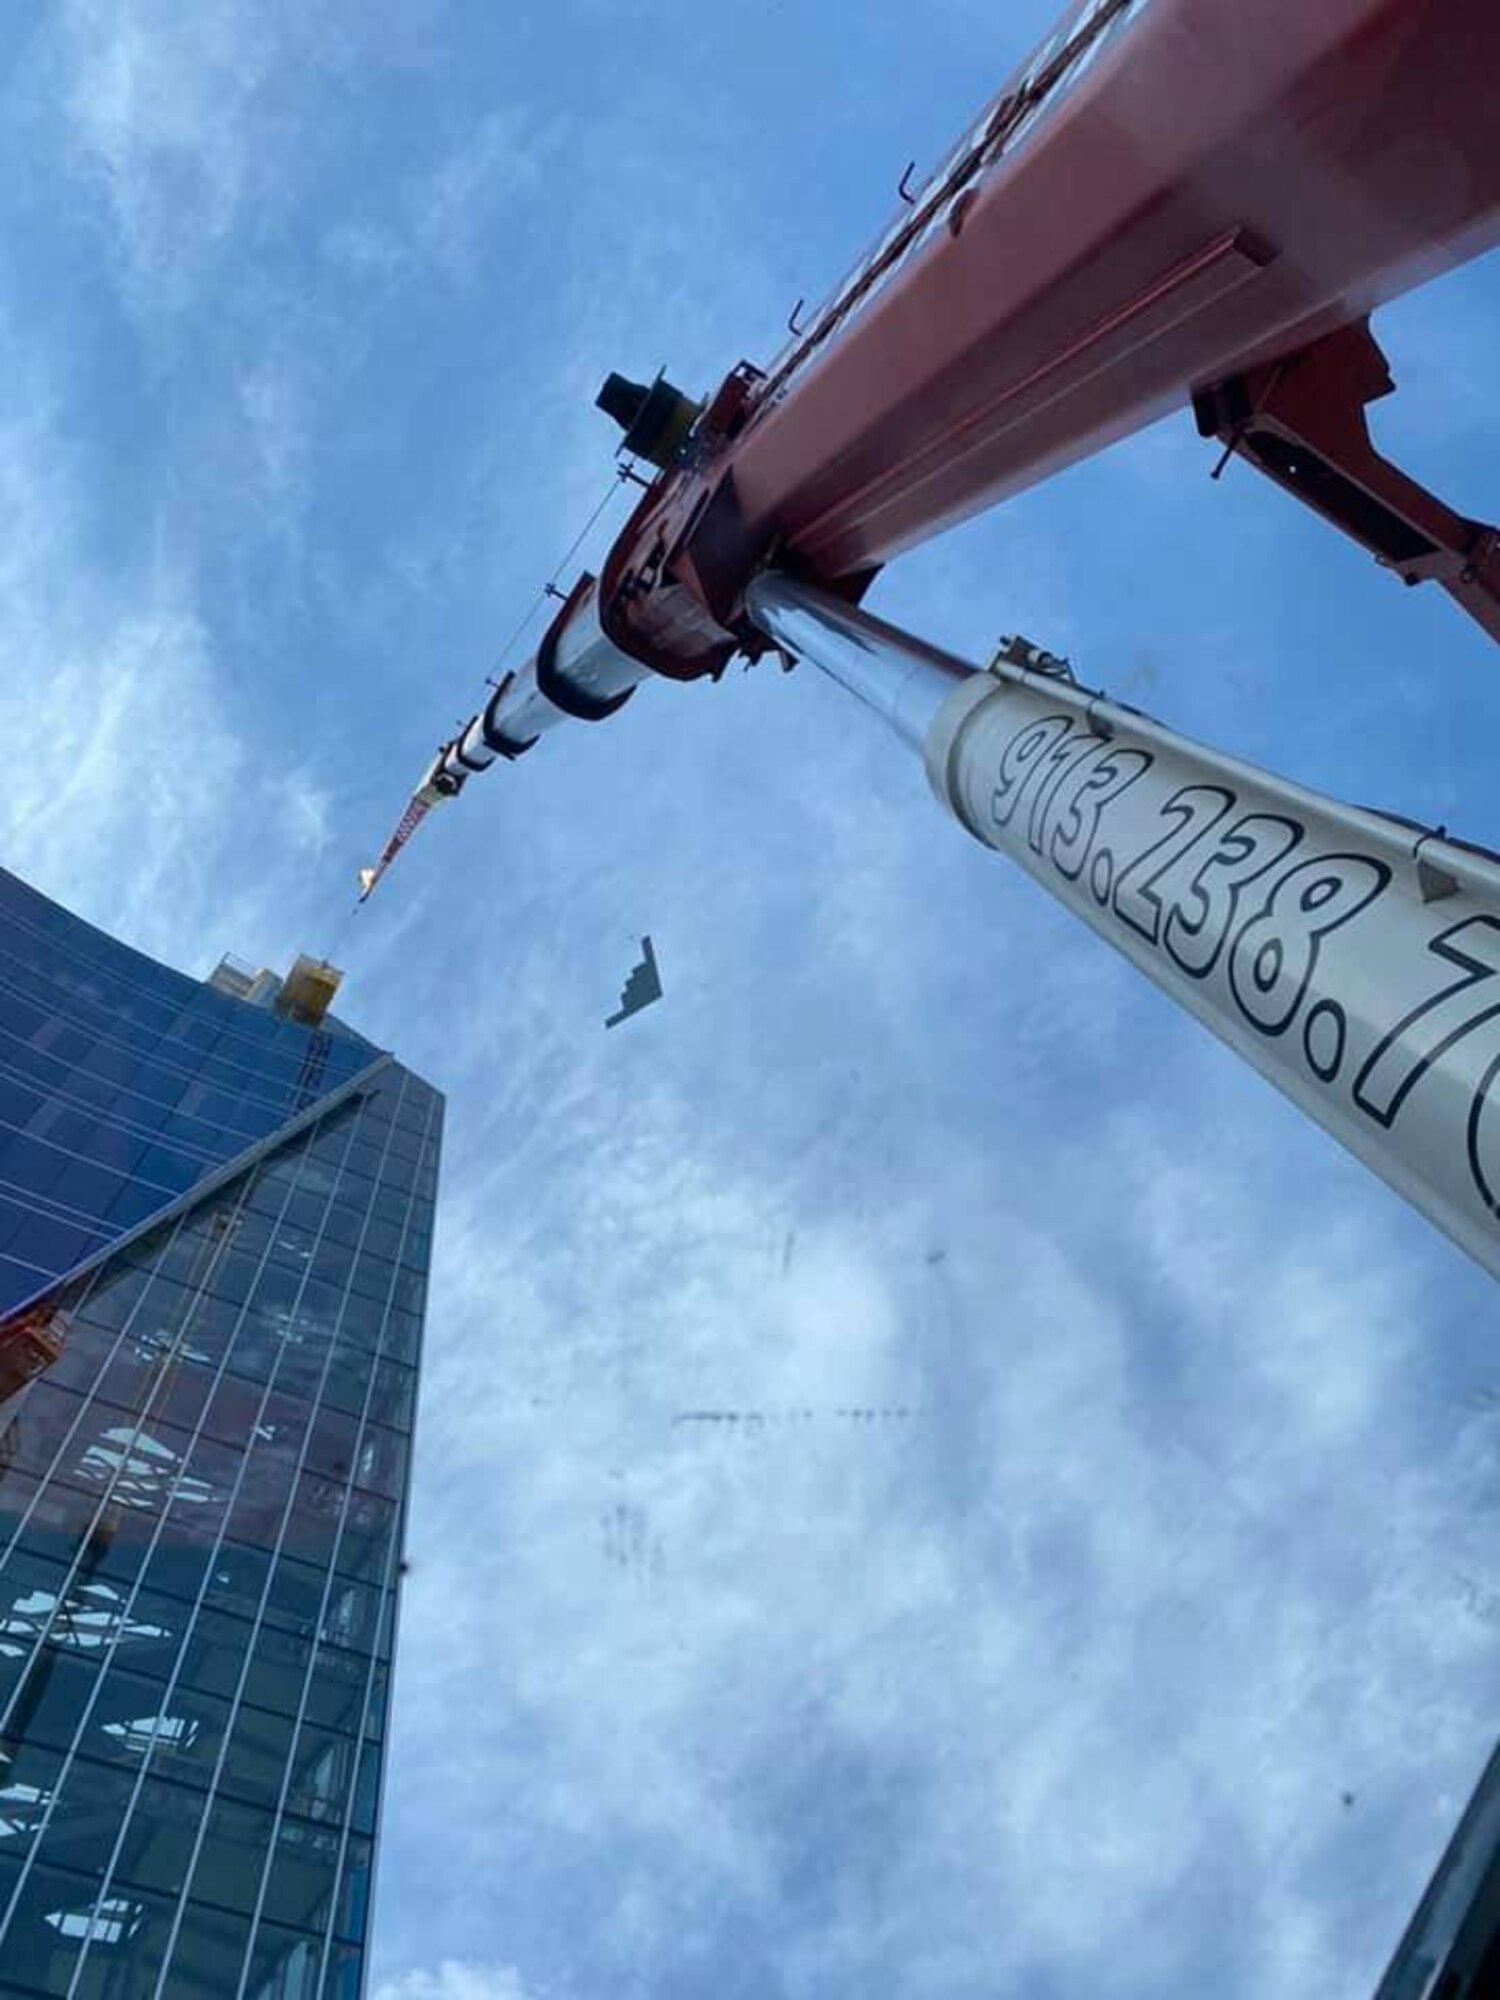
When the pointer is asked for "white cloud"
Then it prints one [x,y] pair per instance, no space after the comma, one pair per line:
[497,163]
[1067,1598]
[472,197]
[455,1981]
[162,103]
[133,794]
[272,399]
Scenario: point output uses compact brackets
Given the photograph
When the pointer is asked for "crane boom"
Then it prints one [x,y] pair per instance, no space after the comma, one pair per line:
[1351,957]
[1174,199]
[1173,202]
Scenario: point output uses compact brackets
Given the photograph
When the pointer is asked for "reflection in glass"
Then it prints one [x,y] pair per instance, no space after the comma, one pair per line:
[139,1470]
[163,1733]
[108,1922]
[88,1619]
[191,1710]
[22,1809]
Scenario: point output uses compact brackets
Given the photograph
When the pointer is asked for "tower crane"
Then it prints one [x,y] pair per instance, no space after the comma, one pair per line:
[1171,203]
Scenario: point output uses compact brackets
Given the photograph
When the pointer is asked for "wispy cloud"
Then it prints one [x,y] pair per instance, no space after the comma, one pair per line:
[449,210]
[1158,1546]
[455,1981]
[162,106]
[730,1637]
[141,808]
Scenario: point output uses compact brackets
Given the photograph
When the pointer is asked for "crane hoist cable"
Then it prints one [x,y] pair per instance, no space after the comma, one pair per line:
[432,789]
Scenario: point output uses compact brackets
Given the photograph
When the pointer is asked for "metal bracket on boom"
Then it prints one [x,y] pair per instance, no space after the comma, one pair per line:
[1301,421]
[1014,651]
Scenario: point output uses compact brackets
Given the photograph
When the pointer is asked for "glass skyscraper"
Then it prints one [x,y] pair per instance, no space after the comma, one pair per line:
[215,1224]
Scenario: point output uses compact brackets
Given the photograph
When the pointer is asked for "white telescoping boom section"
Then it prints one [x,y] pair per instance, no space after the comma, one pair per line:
[1353,958]
[576,674]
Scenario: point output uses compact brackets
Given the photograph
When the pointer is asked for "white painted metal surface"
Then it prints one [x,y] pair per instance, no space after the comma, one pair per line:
[1352,958]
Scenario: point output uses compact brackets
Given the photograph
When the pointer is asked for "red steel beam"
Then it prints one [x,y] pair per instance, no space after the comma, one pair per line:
[1227,183]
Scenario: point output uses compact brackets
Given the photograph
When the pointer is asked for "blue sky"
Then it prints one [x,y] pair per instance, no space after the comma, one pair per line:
[1056,1682]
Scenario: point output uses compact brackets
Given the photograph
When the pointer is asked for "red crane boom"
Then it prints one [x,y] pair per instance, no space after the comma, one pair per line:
[1173,201]
[1176,200]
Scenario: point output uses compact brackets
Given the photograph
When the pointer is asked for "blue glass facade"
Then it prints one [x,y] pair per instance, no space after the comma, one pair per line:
[122,1083]
[201,1494]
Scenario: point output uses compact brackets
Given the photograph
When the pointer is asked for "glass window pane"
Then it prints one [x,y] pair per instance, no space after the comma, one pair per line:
[355,1190]
[353,1617]
[134,1719]
[235,1410]
[373,1276]
[382,1239]
[313,1524]
[98,1615]
[277,1289]
[114,1298]
[237,1580]
[344,1977]
[346,1384]
[362,1322]
[416,1248]
[58,1912]
[86,1815]
[286,1964]
[378,1696]
[330,1446]
[85,1351]
[159,1837]
[302,1877]
[55,1515]
[409,1292]
[319,1305]
[366,1790]
[403,1336]
[363,1159]
[333,1263]
[259,1746]
[393,1399]
[343,1224]
[337,1695]
[354,1892]
[268,1196]
[177,1565]
[235,1845]
[322,1773]
[296,1595]
[369,1531]
[215,1654]
[380,1463]
[209,1955]
[57,1686]
[319,1176]
[290,1246]
[277,1671]
[303,1359]
[305,1207]
[28,1782]
[185,1385]
[233,1276]
[42,1428]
